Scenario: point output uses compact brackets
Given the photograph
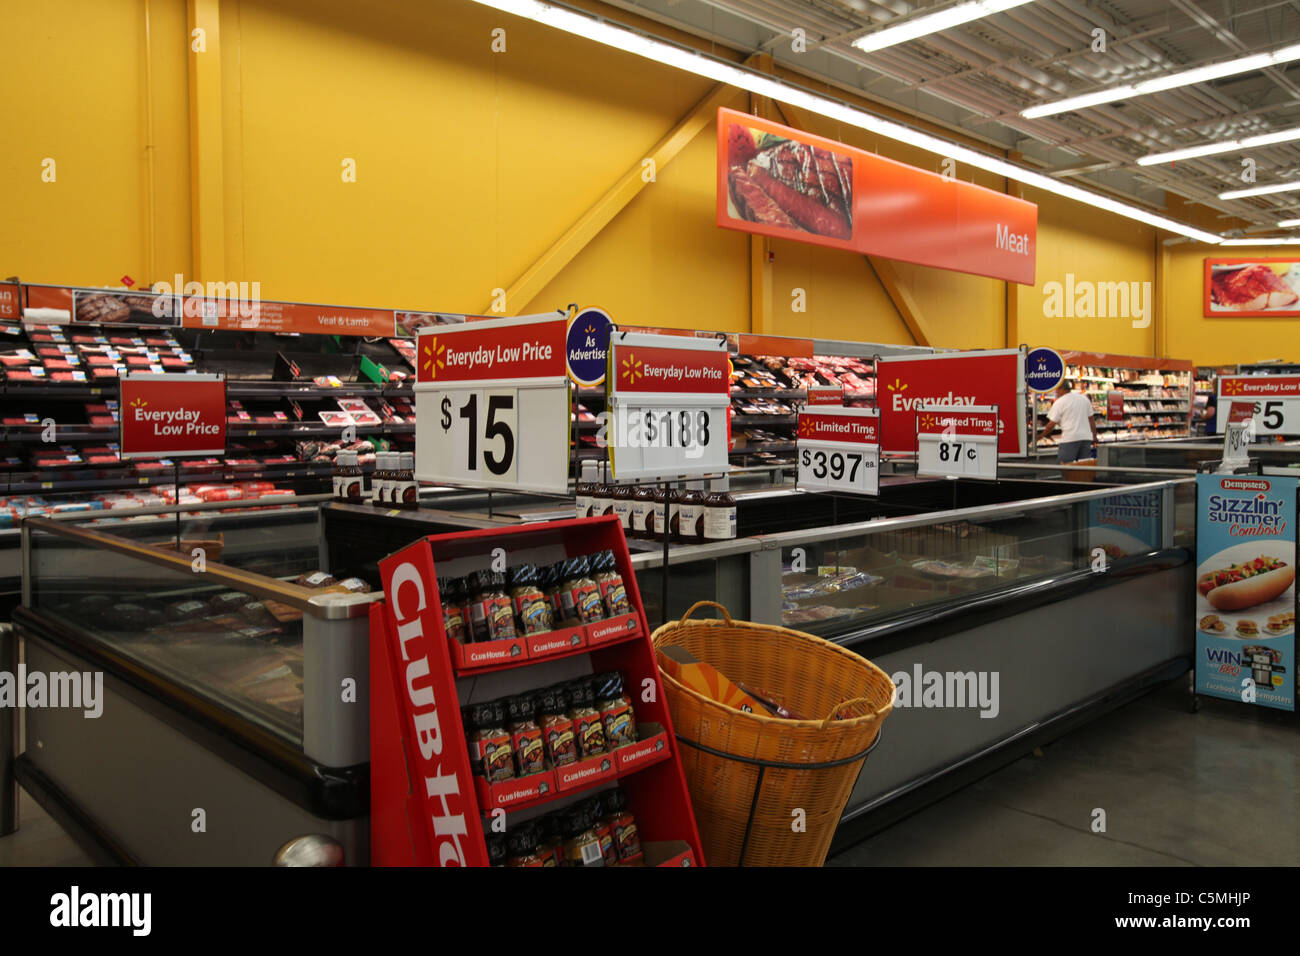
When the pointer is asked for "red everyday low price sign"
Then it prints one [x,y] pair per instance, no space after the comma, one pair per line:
[1260,386]
[853,426]
[495,350]
[640,368]
[173,416]
[951,379]
[968,423]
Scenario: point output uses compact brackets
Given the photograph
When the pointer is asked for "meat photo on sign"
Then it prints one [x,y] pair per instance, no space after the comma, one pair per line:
[779,182]
[1255,287]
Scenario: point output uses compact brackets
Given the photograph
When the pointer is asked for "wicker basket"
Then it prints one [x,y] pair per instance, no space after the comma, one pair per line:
[750,775]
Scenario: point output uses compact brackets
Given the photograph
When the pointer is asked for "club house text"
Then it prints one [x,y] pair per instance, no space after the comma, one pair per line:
[177,421]
[502,354]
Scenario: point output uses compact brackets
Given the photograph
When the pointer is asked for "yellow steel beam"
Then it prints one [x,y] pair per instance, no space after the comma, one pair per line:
[628,186]
[207,187]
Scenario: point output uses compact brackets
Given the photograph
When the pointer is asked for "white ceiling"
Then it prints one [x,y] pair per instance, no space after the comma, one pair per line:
[977,77]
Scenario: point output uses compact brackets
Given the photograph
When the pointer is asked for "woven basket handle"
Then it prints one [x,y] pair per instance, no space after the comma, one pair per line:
[699,604]
[848,703]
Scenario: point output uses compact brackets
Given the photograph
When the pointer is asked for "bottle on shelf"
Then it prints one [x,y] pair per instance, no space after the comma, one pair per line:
[720,511]
[622,498]
[602,501]
[583,490]
[406,492]
[379,480]
[642,500]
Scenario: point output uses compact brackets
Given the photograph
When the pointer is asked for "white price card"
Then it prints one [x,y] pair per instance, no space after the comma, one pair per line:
[957,441]
[492,405]
[1276,399]
[668,402]
[839,450]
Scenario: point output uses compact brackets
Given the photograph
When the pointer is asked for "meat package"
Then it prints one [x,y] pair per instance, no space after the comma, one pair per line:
[1251,288]
[780,182]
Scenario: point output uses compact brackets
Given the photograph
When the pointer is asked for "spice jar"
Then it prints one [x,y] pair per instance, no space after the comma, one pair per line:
[613,594]
[551,579]
[690,514]
[551,839]
[525,736]
[492,613]
[496,849]
[604,832]
[615,710]
[581,845]
[720,512]
[453,608]
[530,605]
[522,845]
[498,757]
[627,842]
[580,595]
[557,729]
[588,730]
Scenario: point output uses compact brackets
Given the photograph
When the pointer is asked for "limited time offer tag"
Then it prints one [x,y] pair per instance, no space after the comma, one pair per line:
[839,450]
[957,442]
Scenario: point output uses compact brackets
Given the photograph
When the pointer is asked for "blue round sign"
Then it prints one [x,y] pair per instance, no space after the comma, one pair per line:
[1044,370]
[587,346]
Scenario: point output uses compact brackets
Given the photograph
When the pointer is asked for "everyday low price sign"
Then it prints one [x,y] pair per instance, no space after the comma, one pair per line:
[839,450]
[492,405]
[172,415]
[957,441]
[668,397]
[951,380]
[1276,399]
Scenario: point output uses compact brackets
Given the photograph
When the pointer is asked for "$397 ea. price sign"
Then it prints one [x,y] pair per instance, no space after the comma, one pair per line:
[492,405]
[668,399]
[1276,399]
[839,450]
[957,441]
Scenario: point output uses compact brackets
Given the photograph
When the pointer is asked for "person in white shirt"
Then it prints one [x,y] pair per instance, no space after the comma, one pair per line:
[1072,413]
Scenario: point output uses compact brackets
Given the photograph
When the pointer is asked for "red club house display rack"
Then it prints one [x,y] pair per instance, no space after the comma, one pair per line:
[427,807]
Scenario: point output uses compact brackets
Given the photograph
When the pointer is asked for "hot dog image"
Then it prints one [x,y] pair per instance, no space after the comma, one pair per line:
[780,182]
[1240,586]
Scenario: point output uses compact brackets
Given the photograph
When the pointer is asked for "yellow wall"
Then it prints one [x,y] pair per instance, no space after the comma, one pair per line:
[469,165]
[1222,341]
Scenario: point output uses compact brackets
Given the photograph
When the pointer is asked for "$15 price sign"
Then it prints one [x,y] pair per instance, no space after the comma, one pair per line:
[1276,399]
[839,450]
[492,405]
[957,441]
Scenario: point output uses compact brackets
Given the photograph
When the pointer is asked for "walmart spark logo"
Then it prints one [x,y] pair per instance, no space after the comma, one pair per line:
[433,358]
[1234,386]
[632,368]
[138,403]
[898,386]
[928,421]
[805,427]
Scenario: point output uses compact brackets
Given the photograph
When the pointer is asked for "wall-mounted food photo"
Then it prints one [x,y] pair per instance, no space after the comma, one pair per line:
[775,181]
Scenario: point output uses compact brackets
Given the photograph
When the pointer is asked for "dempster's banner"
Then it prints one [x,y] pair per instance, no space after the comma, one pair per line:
[172,416]
[951,379]
[505,349]
[780,182]
[1245,588]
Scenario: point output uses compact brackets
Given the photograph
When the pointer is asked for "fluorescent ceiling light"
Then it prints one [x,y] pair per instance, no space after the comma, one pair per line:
[1227,146]
[1288,223]
[933,23]
[1260,190]
[1260,242]
[1158,84]
[621,38]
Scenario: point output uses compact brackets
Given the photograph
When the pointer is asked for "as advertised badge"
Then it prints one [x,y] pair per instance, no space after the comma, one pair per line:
[1044,370]
[587,346]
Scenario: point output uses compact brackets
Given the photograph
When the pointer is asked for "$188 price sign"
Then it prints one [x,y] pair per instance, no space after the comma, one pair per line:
[839,450]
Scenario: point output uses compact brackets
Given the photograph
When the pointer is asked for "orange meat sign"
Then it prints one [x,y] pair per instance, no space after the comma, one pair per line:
[780,182]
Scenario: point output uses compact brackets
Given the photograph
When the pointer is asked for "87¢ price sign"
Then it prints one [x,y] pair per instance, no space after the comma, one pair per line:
[957,441]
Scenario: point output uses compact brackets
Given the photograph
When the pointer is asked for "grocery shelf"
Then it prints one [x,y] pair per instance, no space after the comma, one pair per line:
[773,420]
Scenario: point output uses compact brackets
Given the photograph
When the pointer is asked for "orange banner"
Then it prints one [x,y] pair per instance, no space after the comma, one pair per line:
[775,345]
[290,317]
[780,182]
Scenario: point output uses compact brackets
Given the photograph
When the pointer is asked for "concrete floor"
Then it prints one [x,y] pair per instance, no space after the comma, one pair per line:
[1217,788]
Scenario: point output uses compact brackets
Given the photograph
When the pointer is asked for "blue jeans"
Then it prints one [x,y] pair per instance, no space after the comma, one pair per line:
[1068,451]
